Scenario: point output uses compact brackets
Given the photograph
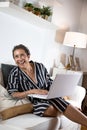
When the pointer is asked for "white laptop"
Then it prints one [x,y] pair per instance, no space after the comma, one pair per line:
[63,85]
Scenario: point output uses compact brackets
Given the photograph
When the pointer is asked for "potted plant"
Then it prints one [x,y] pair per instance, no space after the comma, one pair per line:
[29,7]
[46,12]
[37,11]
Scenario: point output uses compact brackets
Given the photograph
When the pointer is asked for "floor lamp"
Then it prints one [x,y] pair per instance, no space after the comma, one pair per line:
[75,40]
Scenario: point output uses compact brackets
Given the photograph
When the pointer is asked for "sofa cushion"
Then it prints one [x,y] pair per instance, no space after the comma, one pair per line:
[16,110]
[6,68]
[10,107]
[33,122]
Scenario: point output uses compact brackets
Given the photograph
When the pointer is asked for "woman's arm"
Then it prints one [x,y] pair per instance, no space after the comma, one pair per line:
[25,93]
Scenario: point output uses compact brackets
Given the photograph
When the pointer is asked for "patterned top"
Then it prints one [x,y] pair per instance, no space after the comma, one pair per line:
[19,81]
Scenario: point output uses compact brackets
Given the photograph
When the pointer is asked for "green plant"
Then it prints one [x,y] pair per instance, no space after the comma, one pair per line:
[46,11]
[37,11]
[28,5]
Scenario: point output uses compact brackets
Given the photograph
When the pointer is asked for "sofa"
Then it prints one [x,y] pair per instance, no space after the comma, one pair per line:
[17,114]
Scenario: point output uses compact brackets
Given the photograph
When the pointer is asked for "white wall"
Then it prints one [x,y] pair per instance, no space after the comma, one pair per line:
[67,14]
[83,18]
[14,31]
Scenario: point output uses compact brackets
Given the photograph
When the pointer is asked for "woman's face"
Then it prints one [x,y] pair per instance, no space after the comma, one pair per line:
[21,58]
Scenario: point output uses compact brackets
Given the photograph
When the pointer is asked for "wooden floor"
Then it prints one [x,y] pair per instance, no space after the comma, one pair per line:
[83,128]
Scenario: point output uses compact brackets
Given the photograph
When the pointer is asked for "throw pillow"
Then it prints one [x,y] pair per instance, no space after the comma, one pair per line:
[6,68]
[16,110]
[10,107]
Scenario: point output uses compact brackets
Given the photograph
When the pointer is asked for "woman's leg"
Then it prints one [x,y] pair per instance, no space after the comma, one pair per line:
[51,112]
[75,115]
[67,109]
[71,113]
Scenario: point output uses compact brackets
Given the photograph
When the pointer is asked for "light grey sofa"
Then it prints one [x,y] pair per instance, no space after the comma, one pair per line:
[30,121]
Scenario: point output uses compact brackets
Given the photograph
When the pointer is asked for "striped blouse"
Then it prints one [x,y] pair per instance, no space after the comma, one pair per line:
[19,81]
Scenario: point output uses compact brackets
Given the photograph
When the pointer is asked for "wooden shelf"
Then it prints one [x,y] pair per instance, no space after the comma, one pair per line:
[22,14]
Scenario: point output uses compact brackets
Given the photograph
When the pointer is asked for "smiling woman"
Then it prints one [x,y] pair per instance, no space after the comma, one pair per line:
[21,83]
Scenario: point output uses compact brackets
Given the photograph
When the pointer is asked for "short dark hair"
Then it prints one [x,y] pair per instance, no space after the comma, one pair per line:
[21,46]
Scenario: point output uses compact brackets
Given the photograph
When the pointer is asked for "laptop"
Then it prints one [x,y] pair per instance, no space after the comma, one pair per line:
[63,85]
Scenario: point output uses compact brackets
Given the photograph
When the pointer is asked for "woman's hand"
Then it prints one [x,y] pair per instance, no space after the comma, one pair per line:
[38,91]
[32,91]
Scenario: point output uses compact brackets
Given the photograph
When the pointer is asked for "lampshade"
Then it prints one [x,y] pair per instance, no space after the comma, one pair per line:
[75,39]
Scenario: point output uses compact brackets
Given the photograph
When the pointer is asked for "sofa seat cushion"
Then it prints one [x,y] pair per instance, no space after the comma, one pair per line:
[33,122]
[8,127]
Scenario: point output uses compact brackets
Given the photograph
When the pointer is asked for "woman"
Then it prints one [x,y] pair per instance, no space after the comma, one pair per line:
[32,78]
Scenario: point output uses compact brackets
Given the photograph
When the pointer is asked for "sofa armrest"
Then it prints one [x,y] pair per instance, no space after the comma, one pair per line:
[78,96]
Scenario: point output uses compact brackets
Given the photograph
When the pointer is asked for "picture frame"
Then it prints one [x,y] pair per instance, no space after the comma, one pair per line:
[77,64]
[71,62]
